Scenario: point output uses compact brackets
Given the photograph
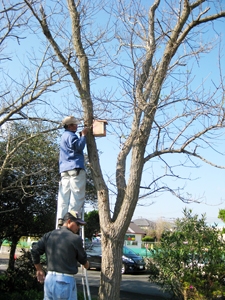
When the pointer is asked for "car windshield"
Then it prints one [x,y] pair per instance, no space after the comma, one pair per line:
[128,251]
[95,249]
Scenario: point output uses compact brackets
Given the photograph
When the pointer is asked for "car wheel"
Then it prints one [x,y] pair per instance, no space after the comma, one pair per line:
[123,270]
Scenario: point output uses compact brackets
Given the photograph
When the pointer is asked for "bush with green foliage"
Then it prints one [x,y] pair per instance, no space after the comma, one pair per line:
[22,278]
[32,294]
[190,261]
[23,295]
[222,217]
[148,239]
[92,227]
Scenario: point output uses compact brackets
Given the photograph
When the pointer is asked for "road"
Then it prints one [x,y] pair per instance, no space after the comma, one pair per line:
[132,283]
[138,285]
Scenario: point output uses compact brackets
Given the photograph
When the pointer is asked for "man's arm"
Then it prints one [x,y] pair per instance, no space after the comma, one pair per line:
[37,250]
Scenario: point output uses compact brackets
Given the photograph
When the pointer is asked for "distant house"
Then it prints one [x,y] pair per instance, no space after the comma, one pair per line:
[134,235]
[145,224]
[219,226]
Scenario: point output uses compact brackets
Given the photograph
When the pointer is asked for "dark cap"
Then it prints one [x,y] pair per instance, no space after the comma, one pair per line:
[75,217]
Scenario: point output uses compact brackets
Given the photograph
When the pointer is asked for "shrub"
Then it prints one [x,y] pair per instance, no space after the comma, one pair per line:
[22,278]
[23,295]
[32,294]
[148,239]
[190,261]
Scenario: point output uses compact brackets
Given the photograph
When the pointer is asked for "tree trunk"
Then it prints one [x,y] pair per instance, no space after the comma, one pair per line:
[112,251]
[12,254]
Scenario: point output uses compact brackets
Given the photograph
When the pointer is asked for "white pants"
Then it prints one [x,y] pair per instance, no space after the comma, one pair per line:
[71,194]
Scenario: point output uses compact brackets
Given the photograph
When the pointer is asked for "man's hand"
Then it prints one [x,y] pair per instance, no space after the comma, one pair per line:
[86,266]
[41,276]
[40,273]
[84,131]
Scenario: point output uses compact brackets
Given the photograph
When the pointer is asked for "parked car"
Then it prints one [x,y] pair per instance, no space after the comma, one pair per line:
[131,262]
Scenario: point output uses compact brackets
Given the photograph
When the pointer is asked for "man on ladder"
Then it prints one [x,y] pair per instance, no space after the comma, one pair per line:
[72,186]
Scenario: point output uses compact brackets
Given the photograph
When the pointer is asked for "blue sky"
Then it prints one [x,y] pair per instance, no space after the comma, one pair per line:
[208,188]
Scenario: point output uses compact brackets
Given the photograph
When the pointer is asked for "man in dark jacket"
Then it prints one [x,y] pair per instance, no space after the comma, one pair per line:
[63,249]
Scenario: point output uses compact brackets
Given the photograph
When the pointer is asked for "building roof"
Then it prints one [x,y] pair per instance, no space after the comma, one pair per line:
[217,225]
[144,223]
[134,229]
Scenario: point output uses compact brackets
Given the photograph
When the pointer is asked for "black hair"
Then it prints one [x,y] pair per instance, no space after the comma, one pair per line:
[66,126]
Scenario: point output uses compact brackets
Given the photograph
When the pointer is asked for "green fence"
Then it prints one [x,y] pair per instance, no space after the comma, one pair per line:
[142,252]
[21,244]
[139,251]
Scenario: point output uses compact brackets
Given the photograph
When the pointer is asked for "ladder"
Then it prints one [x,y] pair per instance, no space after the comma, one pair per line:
[84,277]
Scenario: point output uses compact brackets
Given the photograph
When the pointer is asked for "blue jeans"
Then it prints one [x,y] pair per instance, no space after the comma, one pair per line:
[59,286]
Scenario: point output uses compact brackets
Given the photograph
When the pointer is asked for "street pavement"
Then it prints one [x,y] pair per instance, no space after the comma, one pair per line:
[131,283]
[4,258]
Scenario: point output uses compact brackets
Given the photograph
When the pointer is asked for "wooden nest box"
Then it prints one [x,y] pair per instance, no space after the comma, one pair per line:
[99,128]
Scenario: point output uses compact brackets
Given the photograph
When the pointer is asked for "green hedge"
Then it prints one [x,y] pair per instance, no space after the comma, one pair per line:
[148,239]
[142,252]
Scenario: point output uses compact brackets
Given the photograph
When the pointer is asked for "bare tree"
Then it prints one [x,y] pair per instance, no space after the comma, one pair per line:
[25,85]
[160,226]
[165,112]
[11,18]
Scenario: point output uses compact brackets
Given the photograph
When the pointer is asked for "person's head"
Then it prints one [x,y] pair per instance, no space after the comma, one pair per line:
[70,123]
[72,221]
